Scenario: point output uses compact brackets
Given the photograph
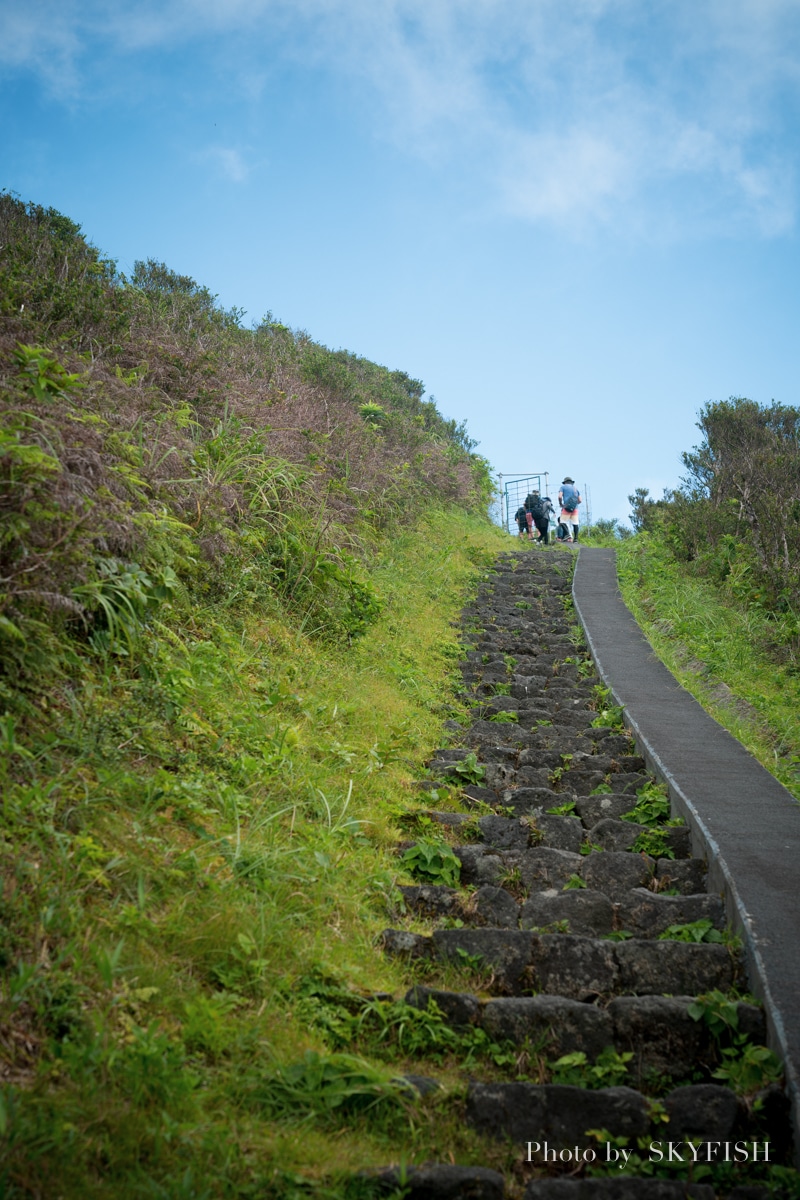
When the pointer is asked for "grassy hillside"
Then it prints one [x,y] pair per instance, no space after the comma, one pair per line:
[230,561]
[736,657]
[713,575]
[143,426]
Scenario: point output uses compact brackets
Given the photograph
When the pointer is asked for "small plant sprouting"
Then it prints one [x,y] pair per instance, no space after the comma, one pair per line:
[748,1068]
[512,882]
[611,718]
[608,1070]
[745,1066]
[469,770]
[573,883]
[652,805]
[693,931]
[653,842]
[469,830]
[535,834]
[557,772]
[562,810]
[372,414]
[608,715]
[473,965]
[718,1011]
[505,717]
[433,862]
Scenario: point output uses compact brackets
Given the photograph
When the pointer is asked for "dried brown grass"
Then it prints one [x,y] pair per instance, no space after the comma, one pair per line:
[178,411]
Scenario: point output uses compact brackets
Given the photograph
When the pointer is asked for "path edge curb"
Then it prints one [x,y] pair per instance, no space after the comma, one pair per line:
[719,870]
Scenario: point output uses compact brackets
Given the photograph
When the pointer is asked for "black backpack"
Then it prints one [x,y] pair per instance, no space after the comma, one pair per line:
[535,506]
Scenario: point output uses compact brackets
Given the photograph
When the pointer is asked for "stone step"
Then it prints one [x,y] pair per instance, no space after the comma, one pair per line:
[444,1181]
[549,992]
[545,866]
[626,1188]
[658,1030]
[568,832]
[640,912]
[580,968]
[437,1181]
[563,1115]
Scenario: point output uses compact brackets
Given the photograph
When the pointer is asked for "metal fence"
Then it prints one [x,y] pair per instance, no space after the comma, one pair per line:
[514,489]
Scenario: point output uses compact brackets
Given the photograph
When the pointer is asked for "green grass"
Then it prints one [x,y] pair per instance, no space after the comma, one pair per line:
[187,832]
[729,656]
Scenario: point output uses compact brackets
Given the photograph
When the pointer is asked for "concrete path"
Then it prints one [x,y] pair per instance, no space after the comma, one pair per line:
[741,818]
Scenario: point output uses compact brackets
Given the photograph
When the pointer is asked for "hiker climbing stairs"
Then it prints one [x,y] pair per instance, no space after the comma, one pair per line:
[553,878]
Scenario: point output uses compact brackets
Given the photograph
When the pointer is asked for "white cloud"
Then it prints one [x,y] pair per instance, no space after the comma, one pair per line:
[568,178]
[47,45]
[596,111]
[227,162]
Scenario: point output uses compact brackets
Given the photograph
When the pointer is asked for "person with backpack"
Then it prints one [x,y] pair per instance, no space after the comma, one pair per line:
[521,517]
[539,509]
[569,498]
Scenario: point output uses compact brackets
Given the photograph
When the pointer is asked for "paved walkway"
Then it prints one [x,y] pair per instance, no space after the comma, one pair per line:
[746,822]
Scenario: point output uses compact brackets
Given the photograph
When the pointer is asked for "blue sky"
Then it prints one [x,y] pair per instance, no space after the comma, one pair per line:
[574,220]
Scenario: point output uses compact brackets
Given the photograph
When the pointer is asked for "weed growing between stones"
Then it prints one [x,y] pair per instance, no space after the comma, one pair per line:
[562,810]
[609,1069]
[745,1066]
[695,932]
[467,771]
[652,806]
[608,715]
[748,1068]
[432,862]
[392,1031]
[654,843]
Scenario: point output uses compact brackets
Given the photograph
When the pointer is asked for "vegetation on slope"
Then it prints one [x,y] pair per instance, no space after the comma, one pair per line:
[229,561]
[713,576]
[143,426]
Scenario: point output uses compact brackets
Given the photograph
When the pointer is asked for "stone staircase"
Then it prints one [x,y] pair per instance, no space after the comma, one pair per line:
[592,935]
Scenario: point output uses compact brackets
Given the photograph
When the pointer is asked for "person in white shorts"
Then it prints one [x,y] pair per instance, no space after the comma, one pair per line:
[569,498]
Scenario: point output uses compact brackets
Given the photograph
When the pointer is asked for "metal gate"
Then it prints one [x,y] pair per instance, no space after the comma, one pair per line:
[513,492]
